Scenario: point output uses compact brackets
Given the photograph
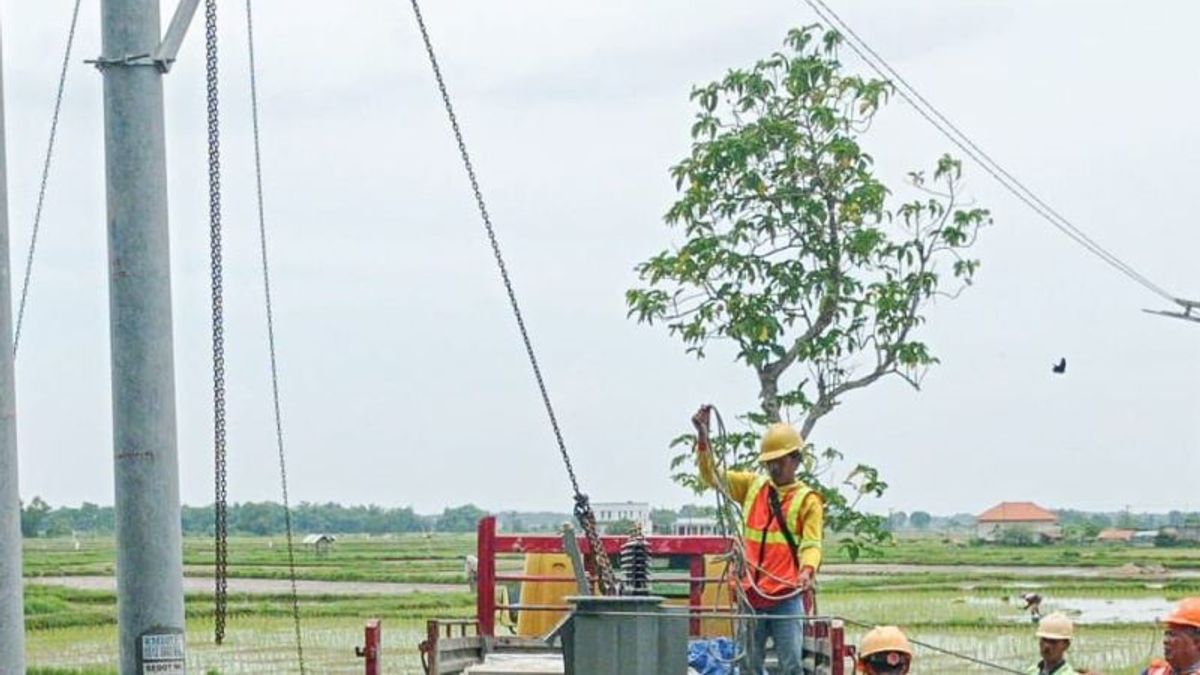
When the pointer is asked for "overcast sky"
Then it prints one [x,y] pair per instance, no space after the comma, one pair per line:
[403,378]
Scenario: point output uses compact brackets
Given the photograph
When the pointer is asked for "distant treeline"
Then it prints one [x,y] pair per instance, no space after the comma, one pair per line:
[1088,523]
[39,519]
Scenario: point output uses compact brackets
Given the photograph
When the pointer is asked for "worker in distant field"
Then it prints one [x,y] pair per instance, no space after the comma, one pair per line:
[1054,633]
[1181,641]
[1033,603]
[884,651]
[471,569]
[782,531]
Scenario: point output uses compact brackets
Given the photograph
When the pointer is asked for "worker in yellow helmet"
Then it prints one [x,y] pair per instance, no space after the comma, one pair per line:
[1054,632]
[884,651]
[782,531]
[1181,641]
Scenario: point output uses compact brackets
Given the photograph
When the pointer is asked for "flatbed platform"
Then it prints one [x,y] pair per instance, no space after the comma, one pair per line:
[522,664]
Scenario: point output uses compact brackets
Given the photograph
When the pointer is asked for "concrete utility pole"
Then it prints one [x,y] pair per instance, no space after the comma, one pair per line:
[12,606]
[150,615]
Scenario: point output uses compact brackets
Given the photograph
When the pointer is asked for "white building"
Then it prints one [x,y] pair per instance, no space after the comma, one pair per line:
[608,513]
[695,526]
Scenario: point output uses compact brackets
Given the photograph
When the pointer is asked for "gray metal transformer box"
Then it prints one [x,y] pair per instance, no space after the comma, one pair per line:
[624,636]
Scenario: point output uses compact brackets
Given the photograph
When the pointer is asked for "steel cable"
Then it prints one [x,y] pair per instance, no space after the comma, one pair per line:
[270,315]
[583,509]
[41,198]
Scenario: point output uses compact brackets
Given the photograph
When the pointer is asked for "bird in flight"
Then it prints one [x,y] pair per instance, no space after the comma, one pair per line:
[1060,367]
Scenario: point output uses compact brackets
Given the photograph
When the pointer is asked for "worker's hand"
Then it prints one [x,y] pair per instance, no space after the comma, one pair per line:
[806,577]
[701,421]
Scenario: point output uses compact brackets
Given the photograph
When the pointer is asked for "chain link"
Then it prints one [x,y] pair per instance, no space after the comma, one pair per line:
[583,509]
[218,320]
[41,198]
[262,239]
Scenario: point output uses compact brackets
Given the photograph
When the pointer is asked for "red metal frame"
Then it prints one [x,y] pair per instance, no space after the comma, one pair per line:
[372,637]
[489,544]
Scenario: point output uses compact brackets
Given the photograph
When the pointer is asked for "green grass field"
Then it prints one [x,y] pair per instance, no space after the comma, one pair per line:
[961,598]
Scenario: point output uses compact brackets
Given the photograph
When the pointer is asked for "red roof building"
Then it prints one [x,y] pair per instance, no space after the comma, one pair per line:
[1017,512]
[1040,522]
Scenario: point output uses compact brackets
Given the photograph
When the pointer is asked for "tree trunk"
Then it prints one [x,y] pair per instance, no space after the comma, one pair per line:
[768,393]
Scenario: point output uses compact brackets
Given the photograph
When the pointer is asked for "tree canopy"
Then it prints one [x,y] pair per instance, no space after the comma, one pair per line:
[796,255]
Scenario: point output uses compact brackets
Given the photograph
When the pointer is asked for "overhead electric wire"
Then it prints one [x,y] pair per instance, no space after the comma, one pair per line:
[940,122]
[270,316]
[41,198]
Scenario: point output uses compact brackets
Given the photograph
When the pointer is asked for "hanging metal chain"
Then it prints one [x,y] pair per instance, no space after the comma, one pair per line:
[41,198]
[583,509]
[221,531]
[262,240]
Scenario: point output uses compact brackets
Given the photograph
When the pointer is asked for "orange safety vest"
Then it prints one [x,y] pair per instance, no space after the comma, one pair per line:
[772,566]
[1161,667]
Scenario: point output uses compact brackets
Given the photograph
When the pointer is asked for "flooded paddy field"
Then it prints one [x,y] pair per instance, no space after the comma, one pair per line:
[973,608]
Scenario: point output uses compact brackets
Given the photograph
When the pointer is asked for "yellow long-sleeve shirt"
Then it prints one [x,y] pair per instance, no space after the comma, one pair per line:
[812,513]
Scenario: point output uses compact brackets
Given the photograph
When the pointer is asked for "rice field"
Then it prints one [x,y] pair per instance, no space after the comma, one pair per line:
[252,645]
[961,604]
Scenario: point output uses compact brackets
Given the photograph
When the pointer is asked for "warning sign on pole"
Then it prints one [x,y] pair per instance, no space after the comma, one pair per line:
[162,651]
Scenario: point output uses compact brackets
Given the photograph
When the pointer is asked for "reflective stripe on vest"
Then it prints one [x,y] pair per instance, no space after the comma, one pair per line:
[773,567]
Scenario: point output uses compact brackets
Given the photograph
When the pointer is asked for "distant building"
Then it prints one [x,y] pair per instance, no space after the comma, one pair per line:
[1144,537]
[319,543]
[991,524]
[1188,533]
[1114,535]
[610,513]
[694,526]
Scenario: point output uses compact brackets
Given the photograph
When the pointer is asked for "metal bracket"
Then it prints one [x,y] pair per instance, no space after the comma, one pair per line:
[1187,313]
[128,60]
[571,548]
[164,56]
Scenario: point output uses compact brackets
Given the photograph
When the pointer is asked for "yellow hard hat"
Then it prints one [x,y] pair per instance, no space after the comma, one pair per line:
[1056,626]
[780,439]
[884,639]
[1187,613]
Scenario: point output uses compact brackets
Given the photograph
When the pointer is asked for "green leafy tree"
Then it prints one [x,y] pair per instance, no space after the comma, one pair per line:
[259,518]
[697,511]
[794,257]
[34,517]
[1017,535]
[662,520]
[1127,521]
[460,518]
[897,520]
[920,519]
[1166,539]
[621,528]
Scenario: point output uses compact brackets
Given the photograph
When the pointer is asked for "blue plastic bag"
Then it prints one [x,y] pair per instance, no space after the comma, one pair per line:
[711,657]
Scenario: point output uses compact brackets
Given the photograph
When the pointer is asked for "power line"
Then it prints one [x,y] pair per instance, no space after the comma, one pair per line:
[41,198]
[270,316]
[939,121]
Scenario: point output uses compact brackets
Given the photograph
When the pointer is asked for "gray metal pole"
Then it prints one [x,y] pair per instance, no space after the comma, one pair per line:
[150,615]
[12,607]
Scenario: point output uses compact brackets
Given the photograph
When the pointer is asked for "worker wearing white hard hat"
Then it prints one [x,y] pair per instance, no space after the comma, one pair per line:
[1054,632]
